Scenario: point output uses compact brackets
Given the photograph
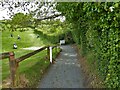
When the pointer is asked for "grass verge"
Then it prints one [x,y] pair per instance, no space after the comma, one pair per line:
[88,65]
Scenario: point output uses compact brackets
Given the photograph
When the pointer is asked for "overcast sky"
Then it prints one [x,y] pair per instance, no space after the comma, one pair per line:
[5,13]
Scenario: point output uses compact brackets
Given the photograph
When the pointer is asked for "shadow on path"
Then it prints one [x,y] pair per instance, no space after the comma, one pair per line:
[65,73]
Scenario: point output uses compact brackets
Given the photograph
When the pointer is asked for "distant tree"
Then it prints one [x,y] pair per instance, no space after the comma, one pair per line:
[20,20]
[29,14]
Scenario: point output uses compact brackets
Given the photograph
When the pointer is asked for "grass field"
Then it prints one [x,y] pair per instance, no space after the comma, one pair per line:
[28,39]
[32,68]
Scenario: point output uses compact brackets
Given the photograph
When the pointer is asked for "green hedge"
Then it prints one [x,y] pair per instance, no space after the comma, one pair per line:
[96,28]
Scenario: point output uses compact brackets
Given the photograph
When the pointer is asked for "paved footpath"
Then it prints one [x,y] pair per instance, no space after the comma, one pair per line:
[65,72]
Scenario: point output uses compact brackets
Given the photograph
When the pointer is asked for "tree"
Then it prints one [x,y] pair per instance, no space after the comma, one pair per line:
[29,14]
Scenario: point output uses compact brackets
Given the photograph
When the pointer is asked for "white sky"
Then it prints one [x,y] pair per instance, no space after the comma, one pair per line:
[4,12]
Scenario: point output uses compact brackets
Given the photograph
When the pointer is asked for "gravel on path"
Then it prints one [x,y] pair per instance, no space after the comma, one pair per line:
[65,72]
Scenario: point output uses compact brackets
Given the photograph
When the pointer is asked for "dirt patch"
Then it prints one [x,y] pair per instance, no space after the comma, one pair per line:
[6,83]
[91,79]
[20,82]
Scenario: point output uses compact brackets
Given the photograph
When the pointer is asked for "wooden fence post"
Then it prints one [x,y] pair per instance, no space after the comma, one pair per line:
[13,67]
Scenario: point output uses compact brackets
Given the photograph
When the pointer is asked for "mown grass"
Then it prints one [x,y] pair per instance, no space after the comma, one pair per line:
[5,63]
[30,69]
[7,45]
[28,38]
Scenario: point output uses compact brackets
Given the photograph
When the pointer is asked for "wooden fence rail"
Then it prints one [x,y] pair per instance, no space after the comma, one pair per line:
[30,54]
[4,55]
[13,63]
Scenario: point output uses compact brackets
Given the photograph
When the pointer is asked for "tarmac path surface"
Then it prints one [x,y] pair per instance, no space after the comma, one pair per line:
[65,72]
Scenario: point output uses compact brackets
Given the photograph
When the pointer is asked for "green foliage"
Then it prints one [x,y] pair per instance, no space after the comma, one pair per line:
[53,31]
[96,28]
[21,20]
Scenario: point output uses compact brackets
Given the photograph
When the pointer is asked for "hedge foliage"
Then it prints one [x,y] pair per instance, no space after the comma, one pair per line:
[96,28]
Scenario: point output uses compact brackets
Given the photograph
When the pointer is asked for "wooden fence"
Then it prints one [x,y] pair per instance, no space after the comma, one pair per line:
[14,62]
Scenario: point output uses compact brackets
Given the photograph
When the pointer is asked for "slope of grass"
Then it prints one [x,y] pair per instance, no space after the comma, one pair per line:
[28,38]
[31,68]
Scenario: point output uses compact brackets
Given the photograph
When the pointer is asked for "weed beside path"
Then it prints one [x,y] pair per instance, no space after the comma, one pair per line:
[91,77]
